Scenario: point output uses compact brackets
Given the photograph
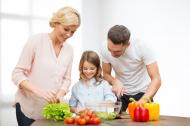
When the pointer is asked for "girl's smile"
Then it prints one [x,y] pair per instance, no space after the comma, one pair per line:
[89,70]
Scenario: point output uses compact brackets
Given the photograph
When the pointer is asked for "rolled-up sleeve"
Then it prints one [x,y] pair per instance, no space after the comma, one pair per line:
[66,82]
[108,94]
[24,64]
[73,99]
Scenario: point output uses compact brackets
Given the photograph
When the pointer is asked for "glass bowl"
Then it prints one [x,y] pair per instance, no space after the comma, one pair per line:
[105,109]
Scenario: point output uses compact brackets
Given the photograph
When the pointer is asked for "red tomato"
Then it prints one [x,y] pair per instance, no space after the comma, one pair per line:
[89,113]
[69,120]
[87,118]
[81,121]
[95,120]
[93,115]
[82,115]
[91,121]
[76,118]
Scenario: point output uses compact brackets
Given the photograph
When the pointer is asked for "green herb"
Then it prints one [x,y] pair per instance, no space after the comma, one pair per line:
[57,111]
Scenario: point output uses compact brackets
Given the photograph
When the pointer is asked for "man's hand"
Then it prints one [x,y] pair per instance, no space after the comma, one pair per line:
[117,88]
[141,101]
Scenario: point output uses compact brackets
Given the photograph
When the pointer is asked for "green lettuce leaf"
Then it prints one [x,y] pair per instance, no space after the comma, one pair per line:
[56,111]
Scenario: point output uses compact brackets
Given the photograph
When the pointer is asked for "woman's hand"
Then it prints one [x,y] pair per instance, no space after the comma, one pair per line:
[22,91]
[60,95]
[80,109]
[49,96]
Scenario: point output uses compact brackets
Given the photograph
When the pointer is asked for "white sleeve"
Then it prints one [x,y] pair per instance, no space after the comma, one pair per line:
[147,53]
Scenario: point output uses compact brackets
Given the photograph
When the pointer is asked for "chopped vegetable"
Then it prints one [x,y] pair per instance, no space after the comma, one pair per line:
[106,115]
[56,111]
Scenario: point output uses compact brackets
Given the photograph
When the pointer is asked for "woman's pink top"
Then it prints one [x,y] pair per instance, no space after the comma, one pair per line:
[39,65]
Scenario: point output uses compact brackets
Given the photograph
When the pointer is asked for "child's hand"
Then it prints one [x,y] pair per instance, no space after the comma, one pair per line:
[80,109]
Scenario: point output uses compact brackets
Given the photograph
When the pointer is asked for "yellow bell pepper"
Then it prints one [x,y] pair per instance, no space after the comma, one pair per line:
[154,109]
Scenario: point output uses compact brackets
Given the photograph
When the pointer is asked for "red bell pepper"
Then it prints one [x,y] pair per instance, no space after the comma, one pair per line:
[131,107]
[141,114]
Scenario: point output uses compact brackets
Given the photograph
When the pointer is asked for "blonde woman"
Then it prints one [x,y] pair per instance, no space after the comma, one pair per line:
[43,72]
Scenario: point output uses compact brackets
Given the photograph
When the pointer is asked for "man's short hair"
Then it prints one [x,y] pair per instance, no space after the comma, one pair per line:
[119,34]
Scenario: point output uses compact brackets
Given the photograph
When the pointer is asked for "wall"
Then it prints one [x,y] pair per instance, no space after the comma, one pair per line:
[90,21]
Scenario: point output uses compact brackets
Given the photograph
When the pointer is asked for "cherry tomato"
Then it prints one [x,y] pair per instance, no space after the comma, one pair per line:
[90,113]
[82,115]
[93,115]
[69,120]
[76,119]
[87,118]
[81,121]
[95,120]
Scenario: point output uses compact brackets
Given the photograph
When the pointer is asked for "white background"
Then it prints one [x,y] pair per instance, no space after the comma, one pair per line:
[165,24]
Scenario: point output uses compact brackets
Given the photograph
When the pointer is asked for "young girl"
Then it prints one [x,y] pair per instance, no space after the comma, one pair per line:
[91,86]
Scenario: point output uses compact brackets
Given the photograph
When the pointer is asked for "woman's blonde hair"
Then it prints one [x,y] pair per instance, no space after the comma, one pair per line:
[65,16]
[93,58]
